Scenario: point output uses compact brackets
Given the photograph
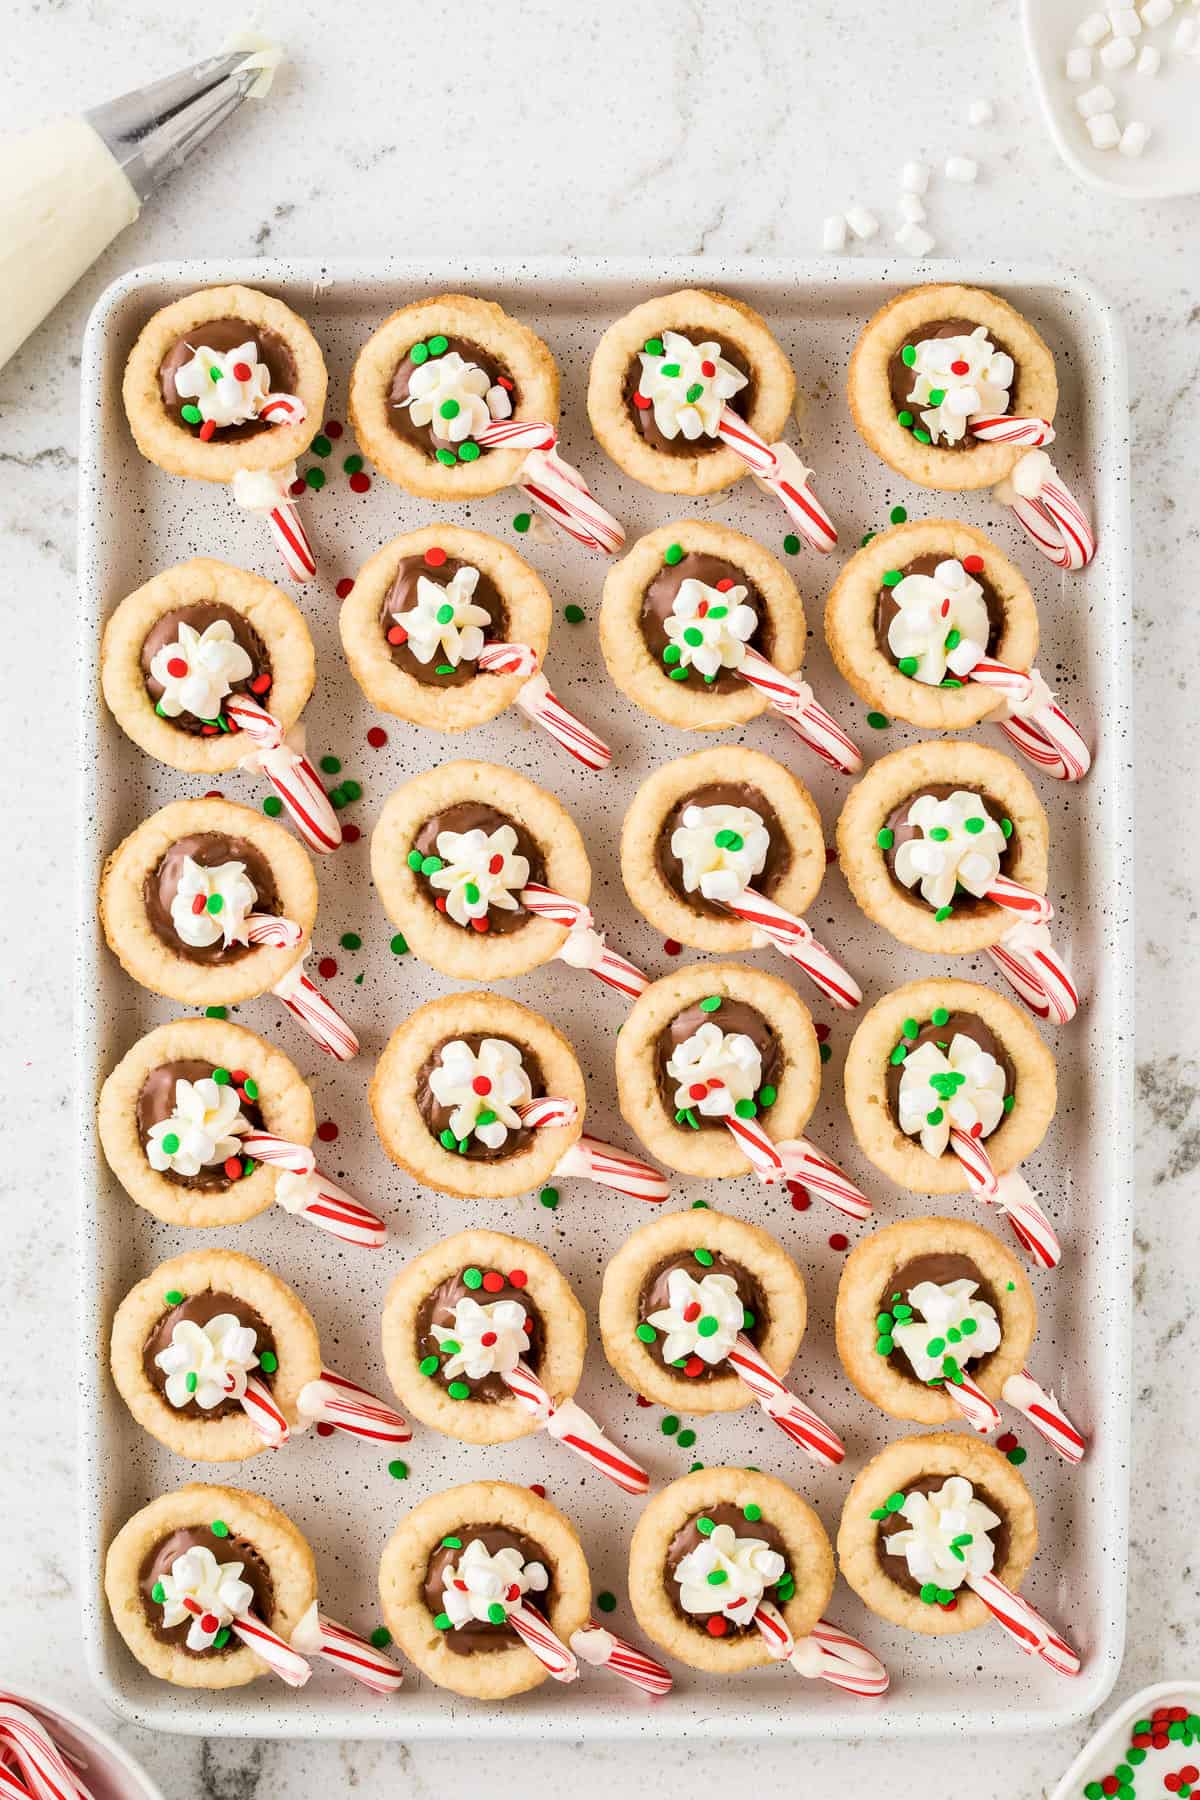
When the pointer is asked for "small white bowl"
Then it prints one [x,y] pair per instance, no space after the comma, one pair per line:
[108,1771]
[1101,1754]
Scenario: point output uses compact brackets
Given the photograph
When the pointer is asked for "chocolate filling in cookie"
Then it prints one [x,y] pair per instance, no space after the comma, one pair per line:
[659,599]
[165,632]
[481,1634]
[437,1116]
[401,597]
[691,1536]
[476,815]
[226,1548]
[156,1104]
[895,1566]
[901,382]
[897,831]
[940,1267]
[200,1309]
[943,1033]
[423,436]
[438,1309]
[733,1017]
[643,415]
[210,849]
[223,335]
[723,793]
[886,608]
[654,1297]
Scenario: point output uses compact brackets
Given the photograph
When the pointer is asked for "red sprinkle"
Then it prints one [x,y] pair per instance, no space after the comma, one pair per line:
[724,585]
[698,1090]
[435,556]
[324,1429]
[239,1077]
[1007,1441]
[671,947]
[504,382]
[377,737]
[691,1311]
[208,731]
[440,903]
[488,1337]
[708,368]
[327,1131]
[839,1241]
[343,587]
[332,428]
[535,1487]
[959,367]
[214,794]
[351,834]
[479,924]
[1110,1784]
[261,684]
[822,1032]
[641,401]
[210,1622]
[693,1366]
[481,1085]
[495,864]
[327,967]
[397,634]
[360,482]
[517,1278]
[799,1196]
[493,1281]
[242,371]
[973,564]
[233,1168]
[299,486]
[207,430]
[642,1401]
[177,667]
[1190,1772]
[717,1626]
[198,903]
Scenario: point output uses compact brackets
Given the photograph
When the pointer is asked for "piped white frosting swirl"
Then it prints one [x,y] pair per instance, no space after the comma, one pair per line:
[724,869]
[217,1588]
[710,628]
[946,1307]
[230,886]
[208,1363]
[484,1088]
[701,1318]
[206,1121]
[688,386]
[948,604]
[479,869]
[482,1579]
[947,1539]
[749,1567]
[454,398]
[445,622]
[715,1069]
[491,1338]
[960,845]
[213,660]
[948,393]
[962,1086]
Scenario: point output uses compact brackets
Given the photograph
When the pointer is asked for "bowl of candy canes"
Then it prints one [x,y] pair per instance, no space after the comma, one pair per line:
[1150,1745]
[50,1750]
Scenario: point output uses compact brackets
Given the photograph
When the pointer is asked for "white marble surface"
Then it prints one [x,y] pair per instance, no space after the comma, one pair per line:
[628,128]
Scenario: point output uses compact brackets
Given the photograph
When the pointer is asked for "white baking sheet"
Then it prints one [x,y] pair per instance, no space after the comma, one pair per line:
[134,521]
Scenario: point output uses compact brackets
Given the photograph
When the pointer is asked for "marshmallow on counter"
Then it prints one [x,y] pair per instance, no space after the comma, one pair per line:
[1117,53]
[1134,138]
[1096,100]
[862,223]
[914,177]
[1091,30]
[961,168]
[833,233]
[1150,60]
[1078,66]
[1156,12]
[912,209]
[980,112]
[1104,131]
[914,239]
[1125,21]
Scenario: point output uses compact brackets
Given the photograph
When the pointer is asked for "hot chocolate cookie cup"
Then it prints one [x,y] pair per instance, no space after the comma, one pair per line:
[283,1103]
[935,1457]
[516,1513]
[182,1289]
[154,962]
[924,312]
[460,796]
[557,1343]
[764,1503]
[888,1262]
[482,333]
[173,444]
[859,609]
[881,1034]
[640,593]
[392,678]
[747,1002]
[686,466]
[942,766]
[290,1579]
[409,1118]
[730,775]
[266,625]
[773,1286]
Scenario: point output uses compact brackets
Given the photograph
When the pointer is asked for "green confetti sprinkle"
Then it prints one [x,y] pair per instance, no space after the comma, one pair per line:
[646,1333]
[398,1470]
[315,479]
[885,838]
[272,806]
[686,1438]
[522,522]
[791,543]
[330,765]
[549,1197]
[321,445]
[574,615]
[216,1012]
[605,1601]
[458,1390]
[669,1425]
[350,940]
[268,1362]
[673,554]
[399,945]
[898,515]
[878,721]
[381,1637]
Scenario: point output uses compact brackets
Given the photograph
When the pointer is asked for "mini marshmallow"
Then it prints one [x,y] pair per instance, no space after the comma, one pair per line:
[915,240]
[980,112]
[1117,52]
[1092,29]
[1079,63]
[912,209]
[914,177]
[1134,138]
[1125,21]
[1156,12]
[1185,38]
[1150,60]
[1104,131]
[862,223]
[1096,100]
[961,168]
[833,233]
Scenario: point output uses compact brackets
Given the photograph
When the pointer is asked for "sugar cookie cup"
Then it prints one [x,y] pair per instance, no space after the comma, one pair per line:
[459,1291]
[881,1274]
[487,1660]
[140,1101]
[470,835]
[426,1103]
[705,1251]
[682,1064]
[193,844]
[196,634]
[886,591]
[719,782]
[672,1535]
[701,577]
[934,1012]
[457,352]
[393,611]
[880,1576]
[170,1313]
[893,359]
[285,347]
[747,370]
[999,818]
[234,1527]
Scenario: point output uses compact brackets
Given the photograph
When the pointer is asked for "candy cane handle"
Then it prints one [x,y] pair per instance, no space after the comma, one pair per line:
[1028,961]
[1012,1194]
[1035,908]
[1048,512]
[826,1654]
[778,469]
[279,1656]
[1005,428]
[506,659]
[1045,1415]
[1023,1624]
[794,937]
[981,1414]
[334,1400]
[312,1196]
[535,1633]
[289,772]
[603,1649]
[554,485]
[267,493]
[1033,721]
[264,1413]
[793,700]
[803,1162]
[316,1634]
[45,1772]
[315,1014]
[616,1169]
[546,1113]
[538,701]
[569,1425]
[784,1408]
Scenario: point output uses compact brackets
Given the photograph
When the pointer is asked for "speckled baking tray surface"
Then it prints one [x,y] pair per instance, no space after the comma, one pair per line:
[134,521]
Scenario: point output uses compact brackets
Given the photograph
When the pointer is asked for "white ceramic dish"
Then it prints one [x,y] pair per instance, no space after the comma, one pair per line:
[135,520]
[1167,102]
[108,1769]
[1103,1751]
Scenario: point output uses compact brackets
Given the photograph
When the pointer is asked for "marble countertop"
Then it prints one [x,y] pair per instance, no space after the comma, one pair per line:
[684,126]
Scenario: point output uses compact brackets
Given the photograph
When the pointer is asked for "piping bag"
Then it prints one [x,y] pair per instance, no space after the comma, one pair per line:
[72,185]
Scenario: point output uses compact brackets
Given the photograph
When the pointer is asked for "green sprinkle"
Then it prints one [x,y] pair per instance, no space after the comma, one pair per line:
[468,452]
[444,614]
[321,445]
[272,806]
[729,840]
[944,1596]
[910,1028]
[222,1077]
[430,865]
[574,615]
[898,515]
[680,674]
[929,1593]
[654,347]
[449,409]
[700,1206]
[330,765]
[646,1333]
[901,1312]
[158,1592]
[350,940]
[192,414]
[826,1052]
[791,543]
[766,1096]
[686,1439]
[866,538]
[446,1139]
[884,1345]
[704,1258]
[1010,1101]
[446,457]
[173,1296]
[444,669]
[670,369]
[192,1382]
[938,833]
[268,1362]
[711,1003]
[673,554]
[943,912]
[669,1425]
[222,1638]
[936,396]
[170,1143]
[707,1326]
[216,1012]
[496,1613]
[458,1390]
[418,354]
[671,654]
[381,1637]
[705,1527]
[549,1197]
[1006,826]
[954,1335]
[885,838]
[892,578]
[948,681]
[894,1502]
[906,419]
[486,1117]
[953,638]
[337,798]
[219,1528]
[315,479]
[428,1365]
[939,1016]
[968,1327]
[606,1602]
[1017,1456]
[898,1055]
[692,1467]
[522,522]
[473,1278]
[935,1117]
[878,721]
[442,1622]
[908,665]
[879,1512]
[438,345]
[716,1576]
[908,355]
[718,612]
[693,636]
[398,1470]
[785,1587]
[694,392]
[922,437]
[745,1109]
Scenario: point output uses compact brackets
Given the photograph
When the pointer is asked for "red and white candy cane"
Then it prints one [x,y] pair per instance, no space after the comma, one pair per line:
[603,1649]
[584,946]
[1004,428]
[44,1770]
[1034,722]
[616,1169]
[334,1400]
[308,1194]
[12,1784]
[316,1634]
[826,1654]
[777,468]
[556,488]
[506,659]
[1047,511]
[793,700]
[289,772]
[268,928]
[268,493]
[1020,900]
[539,703]
[535,1633]
[795,1159]
[279,1656]
[1035,971]
[1028,1628]
[318,1016]
[981,1414]
[795,938]
[1045,1415]
[1012,1194]
[569,1425]
[544,1114]
[263,1412]
[783,1408]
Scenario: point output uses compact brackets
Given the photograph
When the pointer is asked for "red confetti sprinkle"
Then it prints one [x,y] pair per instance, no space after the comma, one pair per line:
[535,1487]
[495,864]
[177,667]
[479,924]
[233,1168]
[973,564]
[672,947]
[261,684]
[504,382]
[1190,1772]
[1110,1784]
[377,737]
[435,556]
[838,1241]
[299,486]
[324,1429]
[799,1196]
[959,367]
[493,1281]
[239,1077]
[208,731]
[207,430]
[210,1622]
[724,585]
[440,903]
[691,1311]
[517,1278]
[351,834]
[327,967]
[642,1401]
[1178,1714]
[488,1337]
[708,368]
[332,428]
[214,794]
[717,1626]
[1142,1741]
[693,1366]
[242,371]
[360,483]
[641,401]
[831,854]
[198,903]
[343,587]
[1007,1440]
[327,1131]
[822,1032]
[481,1085]
[397,634]
[698,1090]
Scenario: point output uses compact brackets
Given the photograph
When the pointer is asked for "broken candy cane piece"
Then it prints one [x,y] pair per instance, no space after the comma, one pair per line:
[266,492]
[1047,511]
